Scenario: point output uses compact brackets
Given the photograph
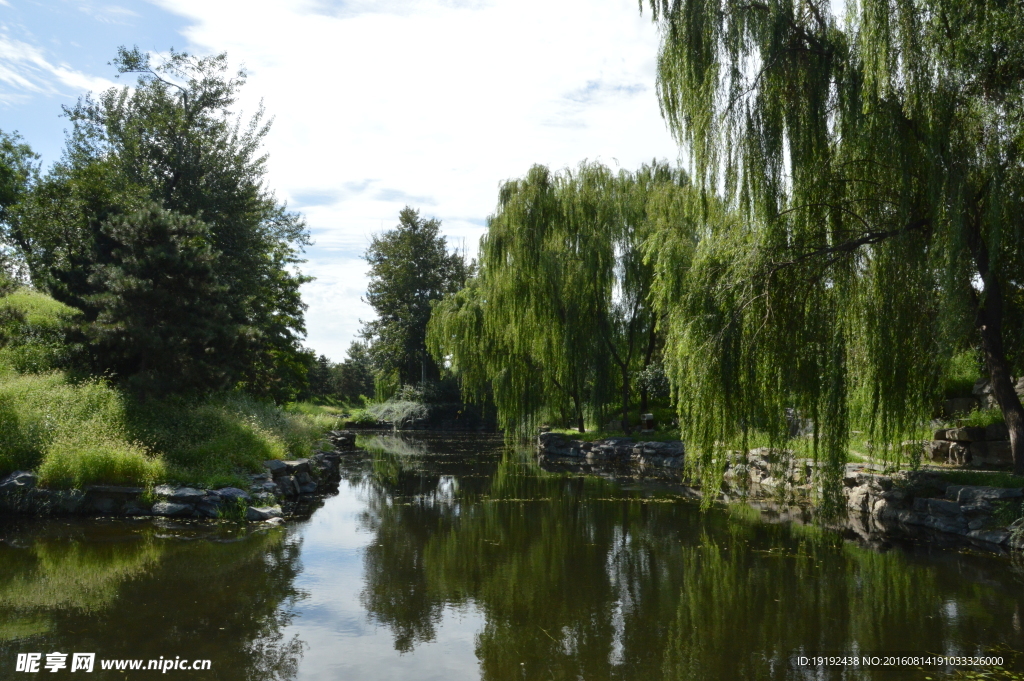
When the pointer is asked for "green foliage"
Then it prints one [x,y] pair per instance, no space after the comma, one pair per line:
[320,377]
[361,418]
[354,378]
[82,433]
[558,320]
[160,189]
[1007,511]
[162,314]
[386,385]
[41,411]
[410,268]
[225,433]
[19,169]
[234,511]
[960,375]
[982,417]
[869,165]
[34,332]
[80,459]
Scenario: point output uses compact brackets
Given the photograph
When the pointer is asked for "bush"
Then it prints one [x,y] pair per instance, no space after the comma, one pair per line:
[961,372]
[33,331]
[39,411]
[84,433]
[982,418]
[74,463]
[225,434]
[397,411]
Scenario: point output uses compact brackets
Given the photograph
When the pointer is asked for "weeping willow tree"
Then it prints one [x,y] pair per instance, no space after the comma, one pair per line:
[558,319]
[870,168]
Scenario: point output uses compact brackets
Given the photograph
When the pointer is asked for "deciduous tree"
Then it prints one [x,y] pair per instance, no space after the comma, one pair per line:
[871,174]
[410,267]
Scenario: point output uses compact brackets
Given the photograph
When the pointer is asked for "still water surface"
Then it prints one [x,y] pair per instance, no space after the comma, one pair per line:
[453,558]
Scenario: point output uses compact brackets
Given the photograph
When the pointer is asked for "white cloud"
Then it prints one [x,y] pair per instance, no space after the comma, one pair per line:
[24,70]
[379,103]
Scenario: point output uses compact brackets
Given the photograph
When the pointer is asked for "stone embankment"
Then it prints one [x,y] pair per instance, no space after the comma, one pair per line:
[971,446]
[283,483]
[896,505]
[623,450]
[907,500]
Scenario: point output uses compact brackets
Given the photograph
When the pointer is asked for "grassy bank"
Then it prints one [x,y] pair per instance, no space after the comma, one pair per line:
[76,432]
[81,433]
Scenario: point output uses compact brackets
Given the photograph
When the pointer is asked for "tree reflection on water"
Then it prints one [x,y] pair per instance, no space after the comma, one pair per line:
[142,591]
[578,578]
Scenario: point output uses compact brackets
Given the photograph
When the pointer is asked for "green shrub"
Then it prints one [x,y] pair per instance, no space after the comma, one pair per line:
[397,411]
[37,410]
[33,331]
[87,432]
[225,434]
[982,417]
[74,463]
[361,417]
[961,372]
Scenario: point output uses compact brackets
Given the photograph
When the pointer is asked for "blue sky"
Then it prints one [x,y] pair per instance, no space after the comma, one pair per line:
[376,103]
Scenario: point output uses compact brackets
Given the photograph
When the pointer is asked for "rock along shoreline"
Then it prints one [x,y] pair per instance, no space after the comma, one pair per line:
[906,504]
[282,490]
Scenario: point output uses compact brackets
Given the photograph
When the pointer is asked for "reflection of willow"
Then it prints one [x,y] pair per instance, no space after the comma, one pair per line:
[405,502]
[577,580]
[137,596]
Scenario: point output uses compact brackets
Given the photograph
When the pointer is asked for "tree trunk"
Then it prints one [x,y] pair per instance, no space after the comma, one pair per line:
[579,413]
[648,356]
[625,402]
[989,321]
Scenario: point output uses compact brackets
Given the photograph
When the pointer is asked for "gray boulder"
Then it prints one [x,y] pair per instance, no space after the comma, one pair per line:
[232,494]
[996,453]
[169,509]
[181,495]
[259,513]
[997,431]
[971,494]
[969,434]
[280,468]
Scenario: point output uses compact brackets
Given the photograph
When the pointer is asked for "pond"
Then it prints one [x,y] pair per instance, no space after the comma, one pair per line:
[455,558]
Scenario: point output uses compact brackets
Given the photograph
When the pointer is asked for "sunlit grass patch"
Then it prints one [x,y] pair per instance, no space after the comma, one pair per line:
[37,410]
[75,462]
[225,435]
[76,434]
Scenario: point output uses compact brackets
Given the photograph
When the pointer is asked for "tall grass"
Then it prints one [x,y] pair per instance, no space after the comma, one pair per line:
[73,434]
[33,331]
[76,434]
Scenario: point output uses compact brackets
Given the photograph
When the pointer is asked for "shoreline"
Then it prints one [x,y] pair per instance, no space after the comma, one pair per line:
[916,505]
[283,490]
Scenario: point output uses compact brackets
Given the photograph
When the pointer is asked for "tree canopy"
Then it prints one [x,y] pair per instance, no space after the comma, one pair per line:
[558,320]
[165,175]
[870,168]
[410,267]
